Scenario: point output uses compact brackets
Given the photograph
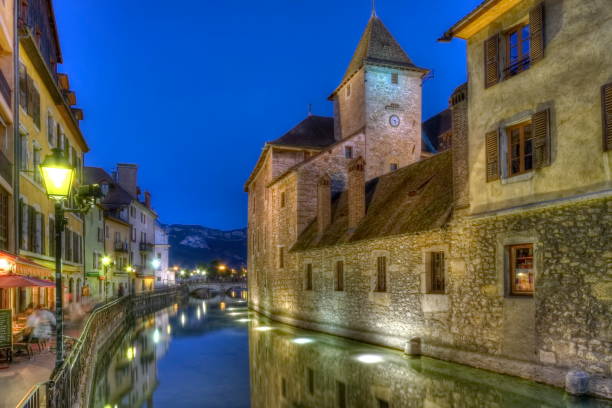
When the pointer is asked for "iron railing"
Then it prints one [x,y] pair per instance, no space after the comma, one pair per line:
[70,384]
[121,246]
[35,398]
[146,247]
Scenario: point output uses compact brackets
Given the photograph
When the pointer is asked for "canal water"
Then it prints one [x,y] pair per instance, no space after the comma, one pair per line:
[215,353]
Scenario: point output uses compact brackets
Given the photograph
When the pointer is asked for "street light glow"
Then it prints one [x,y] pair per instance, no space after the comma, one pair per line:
[57,175]
[156,263]
[106,260]
[302,340]
[369,358]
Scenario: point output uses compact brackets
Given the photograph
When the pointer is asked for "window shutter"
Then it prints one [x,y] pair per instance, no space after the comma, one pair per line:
[23,87]
[536,26]
[491,61]
[41,216]
[30,98]
[541,138]
[492,153]
[606,105]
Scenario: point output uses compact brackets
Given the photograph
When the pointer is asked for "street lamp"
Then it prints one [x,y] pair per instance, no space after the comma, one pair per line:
[58,175]
[106,261]
[155,263]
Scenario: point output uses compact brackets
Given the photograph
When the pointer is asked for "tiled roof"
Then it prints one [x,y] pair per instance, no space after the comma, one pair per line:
[116,197]
[412,199]
[435,127]
[314,131]
[377,45]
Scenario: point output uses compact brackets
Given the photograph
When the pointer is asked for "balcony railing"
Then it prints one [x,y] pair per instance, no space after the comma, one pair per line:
[6,168]
[5,89]
[146,247]
[121,246]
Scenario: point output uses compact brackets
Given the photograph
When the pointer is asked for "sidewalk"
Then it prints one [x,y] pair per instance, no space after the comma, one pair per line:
[23,373]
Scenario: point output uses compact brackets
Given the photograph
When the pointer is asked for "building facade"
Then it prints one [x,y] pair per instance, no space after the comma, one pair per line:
[493,253]
[94,250]
[163,274]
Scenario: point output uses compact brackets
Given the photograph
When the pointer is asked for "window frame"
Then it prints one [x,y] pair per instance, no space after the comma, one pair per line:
[523,61]
[381,272]
[281,257]
[431,267]
[348,152]
[308,278]
[521,127]
[339,275]
[394,78]
[511,256]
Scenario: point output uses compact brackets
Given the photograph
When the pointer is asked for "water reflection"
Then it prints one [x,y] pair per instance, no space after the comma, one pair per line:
[215,353]
[294,368]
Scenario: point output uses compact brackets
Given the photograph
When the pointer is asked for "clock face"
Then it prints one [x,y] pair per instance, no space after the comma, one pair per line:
[394,120]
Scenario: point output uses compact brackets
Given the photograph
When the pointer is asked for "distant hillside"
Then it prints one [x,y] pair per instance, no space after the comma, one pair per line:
[194,244]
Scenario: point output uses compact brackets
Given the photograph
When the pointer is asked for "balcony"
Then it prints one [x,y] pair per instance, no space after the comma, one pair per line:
[122,246]
[146,247]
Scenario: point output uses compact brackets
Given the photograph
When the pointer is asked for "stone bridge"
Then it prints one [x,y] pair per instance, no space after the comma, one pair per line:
[221,287]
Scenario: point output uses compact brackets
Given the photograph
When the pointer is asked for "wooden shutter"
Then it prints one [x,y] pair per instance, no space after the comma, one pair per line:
[30,97]
[41,216]
[606,105]
[536,27]
[541,138]
[51,237]
[23,87]
[492,155]
[491,61]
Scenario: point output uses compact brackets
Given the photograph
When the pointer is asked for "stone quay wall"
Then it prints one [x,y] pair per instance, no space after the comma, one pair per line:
[565,325]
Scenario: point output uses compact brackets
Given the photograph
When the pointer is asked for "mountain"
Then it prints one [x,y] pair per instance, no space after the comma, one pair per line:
[191,245]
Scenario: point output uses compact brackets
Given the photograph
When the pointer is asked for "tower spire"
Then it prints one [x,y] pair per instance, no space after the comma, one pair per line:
[374,8]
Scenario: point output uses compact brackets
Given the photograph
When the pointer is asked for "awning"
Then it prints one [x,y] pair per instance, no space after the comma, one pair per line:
[14,264]
[19,281]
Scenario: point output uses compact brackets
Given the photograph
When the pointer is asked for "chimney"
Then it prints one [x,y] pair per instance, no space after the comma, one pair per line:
[127,177]
[323,204]
[356,192]
[459,146]
[147,199]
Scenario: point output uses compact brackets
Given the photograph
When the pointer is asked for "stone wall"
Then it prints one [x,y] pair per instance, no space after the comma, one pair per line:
[349,109]
[387,144]
[564,325]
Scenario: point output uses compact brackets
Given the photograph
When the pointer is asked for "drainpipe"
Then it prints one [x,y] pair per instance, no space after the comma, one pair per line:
[16,141]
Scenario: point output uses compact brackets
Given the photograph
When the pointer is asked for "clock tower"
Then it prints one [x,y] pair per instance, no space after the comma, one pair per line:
[380,97]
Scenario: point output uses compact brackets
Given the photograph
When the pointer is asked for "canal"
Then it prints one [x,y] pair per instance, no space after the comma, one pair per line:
[216,353]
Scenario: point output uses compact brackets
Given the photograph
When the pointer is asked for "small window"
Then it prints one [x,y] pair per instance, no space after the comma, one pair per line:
[348,152]
[281,257]
[520,148]
[436,272]
[348,90]
[521,269]
[341,394]
[308,276]
[382,403]
[339,276]
[284,387]
[394,78]
[393,166]
[518,43]
[381,274]
[310,380]
[283,199]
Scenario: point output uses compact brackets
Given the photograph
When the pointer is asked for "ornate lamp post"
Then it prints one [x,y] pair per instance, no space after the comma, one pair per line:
[58,175]
[106,261]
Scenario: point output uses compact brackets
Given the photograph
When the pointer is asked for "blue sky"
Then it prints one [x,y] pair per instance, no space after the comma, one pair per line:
[190,90]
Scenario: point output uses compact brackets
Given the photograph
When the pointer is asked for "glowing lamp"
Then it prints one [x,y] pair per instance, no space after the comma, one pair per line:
[155,263]
[57,175]
[106,260]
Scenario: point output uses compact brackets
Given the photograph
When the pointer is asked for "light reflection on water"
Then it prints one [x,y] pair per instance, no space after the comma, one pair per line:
[215,353]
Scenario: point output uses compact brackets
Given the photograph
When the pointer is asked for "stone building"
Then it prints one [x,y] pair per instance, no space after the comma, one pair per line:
[494,253]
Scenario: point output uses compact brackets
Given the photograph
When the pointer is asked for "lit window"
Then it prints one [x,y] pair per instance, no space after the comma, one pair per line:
[520,146]
[518,42]
[348,152]
[381,274]
[521,269]
[436,282]
[339,276]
